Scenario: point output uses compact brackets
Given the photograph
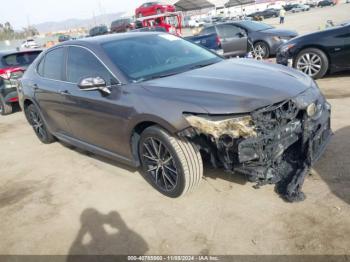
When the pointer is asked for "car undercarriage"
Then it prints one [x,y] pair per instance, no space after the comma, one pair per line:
[276,144]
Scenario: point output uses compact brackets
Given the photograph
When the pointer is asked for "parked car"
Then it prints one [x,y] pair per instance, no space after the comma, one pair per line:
[317,53]
[300,8]
[193,23]
[225,39]
[209,40]
[12,66]
[289,7]
[325,3]
[153,8]
[63,38]
[30,44]
[122,25]
[268,13]
[265,38]
[160,102]
[98,30]
[312,3]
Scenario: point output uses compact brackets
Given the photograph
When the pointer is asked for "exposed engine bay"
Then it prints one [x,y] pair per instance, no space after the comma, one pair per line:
[276,144]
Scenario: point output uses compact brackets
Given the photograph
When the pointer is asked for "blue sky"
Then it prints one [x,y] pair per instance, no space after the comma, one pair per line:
[17,12]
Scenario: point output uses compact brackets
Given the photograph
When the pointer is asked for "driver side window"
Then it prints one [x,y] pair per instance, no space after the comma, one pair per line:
[82,63]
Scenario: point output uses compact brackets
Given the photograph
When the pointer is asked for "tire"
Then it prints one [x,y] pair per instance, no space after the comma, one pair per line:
[318,59]
[175,169]
[35,120]
[5,108]
[266,49]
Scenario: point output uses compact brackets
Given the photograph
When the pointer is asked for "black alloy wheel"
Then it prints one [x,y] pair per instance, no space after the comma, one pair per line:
[160,164]
[38,124]
[171,164]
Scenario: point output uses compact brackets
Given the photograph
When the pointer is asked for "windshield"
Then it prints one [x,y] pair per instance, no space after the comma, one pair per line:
[255,26]
[150,56]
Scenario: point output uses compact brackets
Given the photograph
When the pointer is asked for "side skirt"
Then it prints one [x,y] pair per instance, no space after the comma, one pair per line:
[95,150]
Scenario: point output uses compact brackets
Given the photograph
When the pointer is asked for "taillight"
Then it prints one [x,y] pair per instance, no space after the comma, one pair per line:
[7,72]
[218,41]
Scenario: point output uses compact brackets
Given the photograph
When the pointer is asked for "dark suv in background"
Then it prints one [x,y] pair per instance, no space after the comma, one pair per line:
[12,66]
[122,25]
[98,30]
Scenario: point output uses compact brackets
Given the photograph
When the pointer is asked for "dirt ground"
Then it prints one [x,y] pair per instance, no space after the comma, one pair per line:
[59,200]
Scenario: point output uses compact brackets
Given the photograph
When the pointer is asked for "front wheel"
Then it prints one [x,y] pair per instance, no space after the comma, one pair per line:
[172,165]
[261,50]
[313,62]
[39,127]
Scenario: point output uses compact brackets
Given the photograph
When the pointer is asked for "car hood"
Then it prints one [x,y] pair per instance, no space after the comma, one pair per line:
[280,32]
[232,86]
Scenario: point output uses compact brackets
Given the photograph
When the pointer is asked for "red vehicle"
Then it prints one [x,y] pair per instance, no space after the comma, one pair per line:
[153,8]
[171,22]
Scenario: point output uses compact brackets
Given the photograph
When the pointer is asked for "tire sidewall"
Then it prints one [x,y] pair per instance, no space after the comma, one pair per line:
[160,134]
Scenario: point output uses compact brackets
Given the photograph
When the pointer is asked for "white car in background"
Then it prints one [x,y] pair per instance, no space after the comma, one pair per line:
[300,8]
[30,44]
[196,23]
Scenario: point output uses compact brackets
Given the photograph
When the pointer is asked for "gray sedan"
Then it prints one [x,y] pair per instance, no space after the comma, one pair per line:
[264,38]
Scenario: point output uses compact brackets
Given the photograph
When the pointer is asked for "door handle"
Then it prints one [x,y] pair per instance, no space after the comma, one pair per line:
[35,86]
[64,92]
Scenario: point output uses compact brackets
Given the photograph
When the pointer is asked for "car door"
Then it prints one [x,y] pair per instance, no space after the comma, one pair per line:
[339,47]
[94,117]
[48,86]
[234,40]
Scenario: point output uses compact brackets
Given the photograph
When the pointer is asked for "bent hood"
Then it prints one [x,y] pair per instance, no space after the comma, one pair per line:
[232,86]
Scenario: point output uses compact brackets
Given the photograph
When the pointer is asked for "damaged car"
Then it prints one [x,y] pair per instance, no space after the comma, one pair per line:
[157,101]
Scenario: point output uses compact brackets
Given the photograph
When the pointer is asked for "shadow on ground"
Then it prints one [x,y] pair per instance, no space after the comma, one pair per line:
[104,234]
[334,166]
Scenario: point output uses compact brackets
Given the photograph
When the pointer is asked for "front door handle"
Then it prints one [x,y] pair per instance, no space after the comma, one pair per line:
[35,86]
[64,92]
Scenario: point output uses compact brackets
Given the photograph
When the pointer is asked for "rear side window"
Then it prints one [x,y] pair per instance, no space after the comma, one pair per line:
[51,66]
[82,63]
[208,30]
[20,59]
[228,31]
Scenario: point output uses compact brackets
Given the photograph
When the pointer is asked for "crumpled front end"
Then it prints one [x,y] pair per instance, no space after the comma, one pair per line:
[276,144]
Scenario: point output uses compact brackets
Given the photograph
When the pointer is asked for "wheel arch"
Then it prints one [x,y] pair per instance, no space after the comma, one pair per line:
[139,125]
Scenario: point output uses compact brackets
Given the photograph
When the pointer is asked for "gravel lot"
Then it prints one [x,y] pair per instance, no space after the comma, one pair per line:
[59,200]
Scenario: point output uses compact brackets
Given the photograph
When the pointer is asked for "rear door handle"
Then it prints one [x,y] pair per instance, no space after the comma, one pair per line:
[64,92]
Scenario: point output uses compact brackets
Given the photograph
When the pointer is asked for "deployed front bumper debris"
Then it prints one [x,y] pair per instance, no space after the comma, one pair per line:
[277,144]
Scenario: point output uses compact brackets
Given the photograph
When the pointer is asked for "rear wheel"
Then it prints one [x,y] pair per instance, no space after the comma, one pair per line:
[170,164]
[313,62]
[5,108]
[38,125]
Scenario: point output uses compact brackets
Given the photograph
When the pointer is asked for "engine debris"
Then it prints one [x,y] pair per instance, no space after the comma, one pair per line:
[277,144]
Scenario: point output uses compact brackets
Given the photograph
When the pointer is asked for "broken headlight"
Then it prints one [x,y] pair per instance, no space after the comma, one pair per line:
[312,101]
[221,126]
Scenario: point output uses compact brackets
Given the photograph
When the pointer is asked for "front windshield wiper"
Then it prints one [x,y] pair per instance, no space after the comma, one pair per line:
[201,65]
[156,77]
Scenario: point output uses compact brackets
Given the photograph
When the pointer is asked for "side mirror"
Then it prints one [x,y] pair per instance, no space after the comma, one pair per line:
[94,83]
